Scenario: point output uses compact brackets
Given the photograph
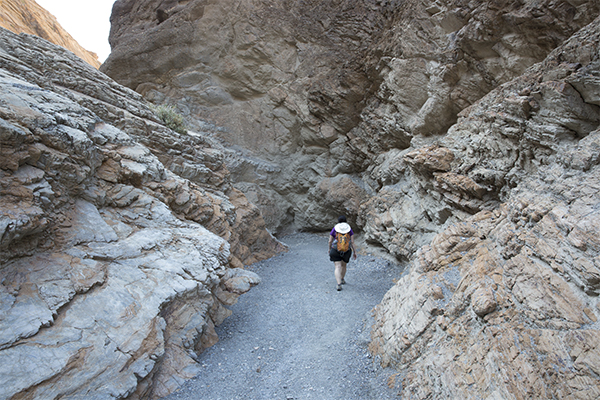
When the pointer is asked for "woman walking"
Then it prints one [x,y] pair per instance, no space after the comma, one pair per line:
[341,247]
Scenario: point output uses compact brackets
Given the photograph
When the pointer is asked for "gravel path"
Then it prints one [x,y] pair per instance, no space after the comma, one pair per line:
[294,336]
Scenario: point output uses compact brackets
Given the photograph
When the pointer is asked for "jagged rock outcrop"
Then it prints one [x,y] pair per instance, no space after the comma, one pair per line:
[26,16]
[314,90]
[504,305]
[459,135]
[282,78]
[118,236]
[461,62]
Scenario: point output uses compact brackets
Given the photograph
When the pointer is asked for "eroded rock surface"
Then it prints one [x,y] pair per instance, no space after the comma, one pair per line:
[505,304]
[118,236]
[26,16]
[311,91]
[460,136]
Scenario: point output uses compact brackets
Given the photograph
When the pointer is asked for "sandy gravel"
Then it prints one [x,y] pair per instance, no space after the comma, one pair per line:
[295,337]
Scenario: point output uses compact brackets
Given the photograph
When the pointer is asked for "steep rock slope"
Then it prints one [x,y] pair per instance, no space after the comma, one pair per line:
[117,235]
[505,304]
[460,135]
[284,78]
[444,58]
[320,99]
[26,16]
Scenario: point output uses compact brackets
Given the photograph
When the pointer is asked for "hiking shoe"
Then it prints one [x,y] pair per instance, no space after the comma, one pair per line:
[339,287]
[343,282]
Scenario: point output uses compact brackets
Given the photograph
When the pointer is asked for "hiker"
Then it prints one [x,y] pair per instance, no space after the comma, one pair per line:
[341,247]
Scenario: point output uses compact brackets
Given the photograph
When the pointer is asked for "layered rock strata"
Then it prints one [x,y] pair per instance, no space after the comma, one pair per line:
[26,16]
[118,236]
[505,304]
[427,91]
[310,93]
[459,135]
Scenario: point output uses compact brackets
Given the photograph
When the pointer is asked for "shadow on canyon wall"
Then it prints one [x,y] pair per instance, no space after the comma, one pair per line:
[460,137]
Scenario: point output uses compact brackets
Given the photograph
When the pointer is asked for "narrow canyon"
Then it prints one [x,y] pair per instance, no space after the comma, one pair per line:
[461,139]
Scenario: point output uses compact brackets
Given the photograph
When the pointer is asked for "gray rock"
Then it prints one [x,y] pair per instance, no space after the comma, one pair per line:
[331,97]
[109,271]
[528,268]
[460,137]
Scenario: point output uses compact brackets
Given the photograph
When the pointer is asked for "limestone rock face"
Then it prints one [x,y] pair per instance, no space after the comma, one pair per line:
[504,304]
[117,235]
[443,58]
[26,16]
[313,90]
[284,79]
[460,136]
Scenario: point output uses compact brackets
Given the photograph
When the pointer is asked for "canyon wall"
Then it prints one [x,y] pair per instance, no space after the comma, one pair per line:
[121,241]
[320,101]
[26,16]
[505,304]
[459,136]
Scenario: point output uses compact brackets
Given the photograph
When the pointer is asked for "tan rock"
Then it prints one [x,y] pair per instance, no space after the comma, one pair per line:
[430,159]
[26,16]
[534,288]
[483,302]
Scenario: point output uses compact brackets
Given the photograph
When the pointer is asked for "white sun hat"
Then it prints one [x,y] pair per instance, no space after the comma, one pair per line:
[342,228]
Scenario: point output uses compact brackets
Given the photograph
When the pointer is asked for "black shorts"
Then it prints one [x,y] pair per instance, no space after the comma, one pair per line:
[335,255]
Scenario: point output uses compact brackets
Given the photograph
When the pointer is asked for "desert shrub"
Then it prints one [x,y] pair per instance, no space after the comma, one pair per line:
[171,118]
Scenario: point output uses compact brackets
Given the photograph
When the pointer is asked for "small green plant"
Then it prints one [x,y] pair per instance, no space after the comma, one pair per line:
[171,118]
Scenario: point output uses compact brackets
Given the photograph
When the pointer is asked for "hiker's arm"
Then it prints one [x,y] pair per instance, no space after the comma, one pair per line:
[353,248]
[329,244]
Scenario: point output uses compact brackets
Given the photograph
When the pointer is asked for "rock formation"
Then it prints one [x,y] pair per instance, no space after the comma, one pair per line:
[26,16]
[118,236]
[505,304]
[314,91]
[460,136]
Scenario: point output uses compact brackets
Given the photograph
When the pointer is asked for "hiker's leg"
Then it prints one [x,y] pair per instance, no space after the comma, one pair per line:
[338,271]
[342,271]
